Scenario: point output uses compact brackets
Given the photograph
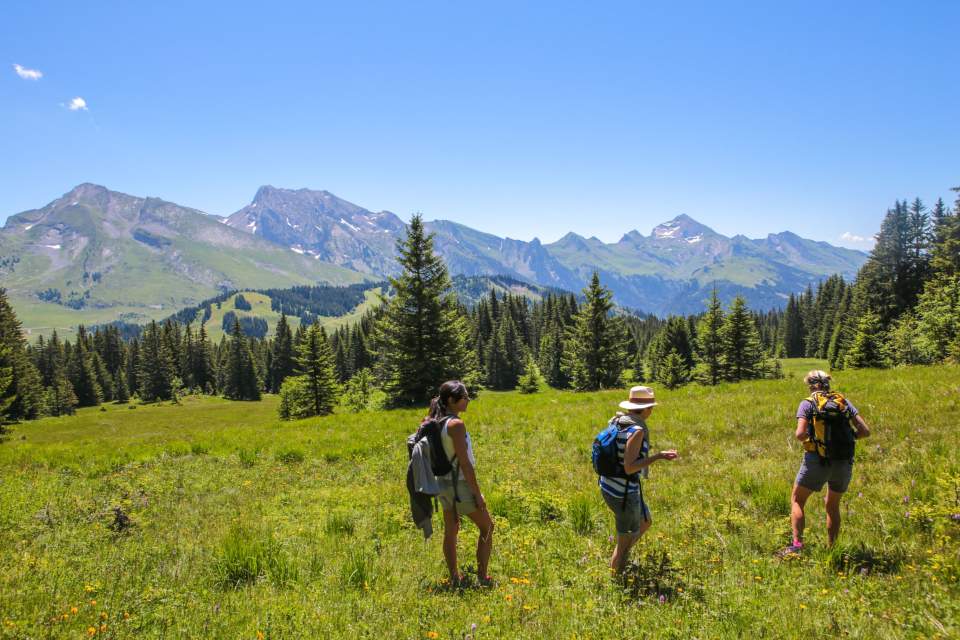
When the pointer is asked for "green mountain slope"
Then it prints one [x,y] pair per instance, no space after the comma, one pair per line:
[96,255]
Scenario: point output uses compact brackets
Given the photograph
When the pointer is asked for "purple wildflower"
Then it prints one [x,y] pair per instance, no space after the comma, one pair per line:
[955,517]
[662,598]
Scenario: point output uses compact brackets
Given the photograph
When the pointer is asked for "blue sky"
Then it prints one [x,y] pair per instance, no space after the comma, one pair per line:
[520,119]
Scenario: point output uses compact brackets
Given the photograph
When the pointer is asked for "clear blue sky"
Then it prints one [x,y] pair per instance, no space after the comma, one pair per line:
[520,119]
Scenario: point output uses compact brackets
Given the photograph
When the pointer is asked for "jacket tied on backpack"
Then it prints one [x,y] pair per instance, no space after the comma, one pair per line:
[427,461]
[830,433]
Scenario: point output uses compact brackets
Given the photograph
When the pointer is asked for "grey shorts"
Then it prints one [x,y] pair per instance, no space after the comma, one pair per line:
[813,473]
[629,517]
[463,500]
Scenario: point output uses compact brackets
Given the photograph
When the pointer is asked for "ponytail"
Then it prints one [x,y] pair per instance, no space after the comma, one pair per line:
[452,389]
[437,411]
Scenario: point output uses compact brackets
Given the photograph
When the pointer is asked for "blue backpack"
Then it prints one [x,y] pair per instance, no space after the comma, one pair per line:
[606,458]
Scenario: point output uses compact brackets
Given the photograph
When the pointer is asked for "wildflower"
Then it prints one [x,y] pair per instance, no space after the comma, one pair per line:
[758,578]
[824,592]
[259,635]
[803,606]
[433,635]
[103,615]
[91,631]
[906,499]
[66,616]
[859,494]
[662,598]
[509,598]
[126,616]
[93,603]
[680,589]
[103,627]
[74,610]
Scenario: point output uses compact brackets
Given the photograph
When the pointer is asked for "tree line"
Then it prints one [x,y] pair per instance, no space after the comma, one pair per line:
[902,308]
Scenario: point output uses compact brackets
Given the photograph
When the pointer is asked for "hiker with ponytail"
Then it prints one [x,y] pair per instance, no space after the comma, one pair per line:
[460,493]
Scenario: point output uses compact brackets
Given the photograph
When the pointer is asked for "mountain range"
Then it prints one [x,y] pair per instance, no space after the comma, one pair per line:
[670,271]
[96,255]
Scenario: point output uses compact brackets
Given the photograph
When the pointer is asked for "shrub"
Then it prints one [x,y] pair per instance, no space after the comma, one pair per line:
[296,400]
[290,455]
[247,458]
[581,514]
[339,523]
[357,570]
[245,555]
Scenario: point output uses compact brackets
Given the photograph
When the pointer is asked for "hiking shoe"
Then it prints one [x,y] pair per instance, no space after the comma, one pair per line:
[486,582]
[791,550]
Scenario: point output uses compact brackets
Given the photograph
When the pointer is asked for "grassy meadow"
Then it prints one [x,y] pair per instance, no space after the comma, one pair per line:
[240,526]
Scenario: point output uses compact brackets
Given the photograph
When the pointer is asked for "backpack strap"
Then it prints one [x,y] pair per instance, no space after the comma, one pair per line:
[455,472]
[818,399]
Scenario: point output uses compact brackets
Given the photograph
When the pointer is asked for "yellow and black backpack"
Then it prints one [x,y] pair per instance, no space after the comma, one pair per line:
[830,433]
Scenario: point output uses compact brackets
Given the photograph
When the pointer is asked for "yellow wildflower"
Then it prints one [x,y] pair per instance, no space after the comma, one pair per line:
[126,616]
[103,627]
[103,615]
[508,597]
[74,610]
[91,631]
[259,635]
[93,603]
[432,635]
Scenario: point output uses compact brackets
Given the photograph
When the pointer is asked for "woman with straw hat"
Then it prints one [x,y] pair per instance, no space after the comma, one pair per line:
[623,494]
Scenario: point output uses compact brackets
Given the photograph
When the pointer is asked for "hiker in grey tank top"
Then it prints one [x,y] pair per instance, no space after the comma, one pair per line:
[460,493]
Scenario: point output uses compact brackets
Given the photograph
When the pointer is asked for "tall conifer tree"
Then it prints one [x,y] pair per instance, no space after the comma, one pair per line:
[596,344]
[240,382]
[421,338]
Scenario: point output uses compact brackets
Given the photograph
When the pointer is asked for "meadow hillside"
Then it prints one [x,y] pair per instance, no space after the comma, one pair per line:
[241,526]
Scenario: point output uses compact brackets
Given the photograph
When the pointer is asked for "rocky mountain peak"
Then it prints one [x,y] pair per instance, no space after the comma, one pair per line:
[683,227]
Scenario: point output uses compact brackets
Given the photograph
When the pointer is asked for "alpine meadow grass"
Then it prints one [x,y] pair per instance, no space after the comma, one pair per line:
[242,526]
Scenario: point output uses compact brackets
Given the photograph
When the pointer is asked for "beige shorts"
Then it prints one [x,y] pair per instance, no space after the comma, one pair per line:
[465,502]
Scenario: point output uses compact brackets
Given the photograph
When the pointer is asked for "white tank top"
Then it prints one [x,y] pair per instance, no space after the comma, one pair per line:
[448,442]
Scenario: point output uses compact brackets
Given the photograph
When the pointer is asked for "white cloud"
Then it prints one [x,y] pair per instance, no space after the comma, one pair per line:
[77,104]
[27,74]
[852,237]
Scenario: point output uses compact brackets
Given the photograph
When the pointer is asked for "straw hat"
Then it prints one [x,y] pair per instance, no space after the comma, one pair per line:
[640,398]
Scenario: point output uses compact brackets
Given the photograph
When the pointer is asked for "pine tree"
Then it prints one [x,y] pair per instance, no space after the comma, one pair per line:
[240,382]
[709,367]
[551,357]
[358,392]
[7,390]
[23,397]
[282,363]
[121,392]
[315,392]
[83,375]
[59,398]
[742,354]
[203,373]
[793,331]
[104,379]
[530,381]
[504,354]
[421,338]
[866,349]
[595,348]
[673,371]
[155,370]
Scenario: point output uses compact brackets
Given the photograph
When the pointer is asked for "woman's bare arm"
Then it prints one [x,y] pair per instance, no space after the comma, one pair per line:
[458,433]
